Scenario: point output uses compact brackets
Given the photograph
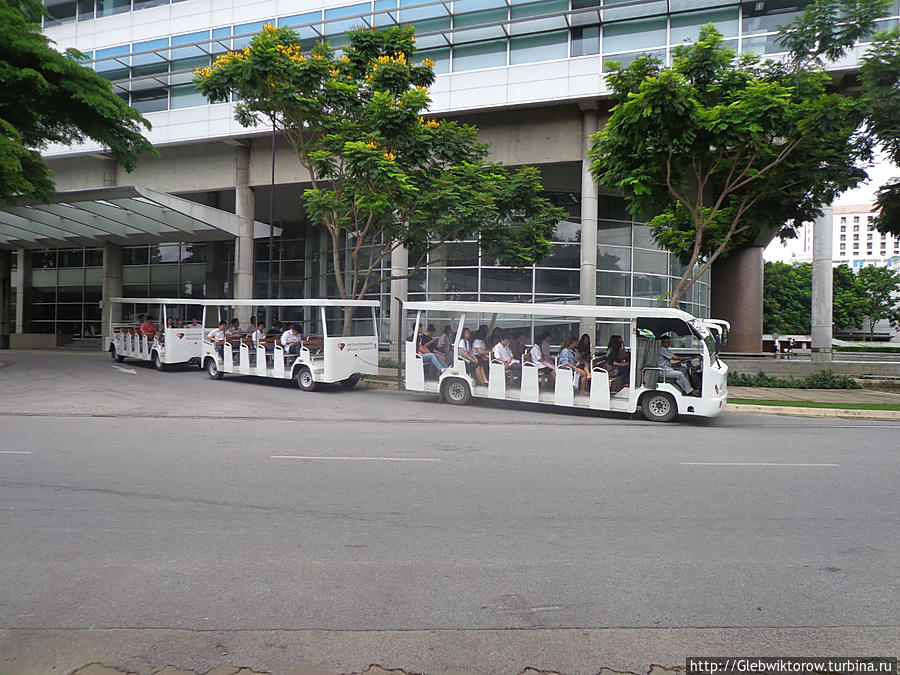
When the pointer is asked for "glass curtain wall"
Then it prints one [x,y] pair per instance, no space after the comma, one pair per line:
[66,289]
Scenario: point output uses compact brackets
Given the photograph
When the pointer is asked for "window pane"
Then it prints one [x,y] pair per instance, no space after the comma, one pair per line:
[557,281]
[144,4]
[71,277]
[152,63]
[483,55]
[687,26]
[634,34]
[243,29]
[761,16]
[585,40]
[496,280]
[187,96]
[85,10]
[441,58]
[543,47]
[455,255]
[148,95]
[656,262]
[109,7]
[113,68]
[612,283]
[563,255]
[58,13]
[134,255]
[443,280]
[613,258]
[71,257]
[551,10]
[334,26]
[613,232]
[646,286]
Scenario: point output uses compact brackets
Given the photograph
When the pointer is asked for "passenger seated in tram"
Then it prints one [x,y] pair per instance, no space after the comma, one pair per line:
[170,322]
[290,339]
[276,330]
[140,320]
[217,335]
[568,357]
[235,329]
[617,362]
[480,349]
[501,352]
[423,348]
[494,339]
[585,353]
[445,344]
[179,323]
[148,327]
[467,354]
[259,335]
[517,345]
[540,355]
[195,323]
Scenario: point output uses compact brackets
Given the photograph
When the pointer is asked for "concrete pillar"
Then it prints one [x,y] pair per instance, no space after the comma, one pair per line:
[588,285]
[23,291]
[399,291]
[5,297]
[737,297]
[822,282]
[216,270]
[112,287]
[244,209]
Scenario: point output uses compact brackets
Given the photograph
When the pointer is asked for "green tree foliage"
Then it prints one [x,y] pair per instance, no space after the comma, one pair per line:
[827,30]
[719,148]
[881,287]
[381,174]
[49,97]
[787,298]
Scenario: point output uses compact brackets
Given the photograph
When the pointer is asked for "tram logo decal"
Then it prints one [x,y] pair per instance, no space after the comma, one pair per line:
[180,336]
[357,347]
[341,346]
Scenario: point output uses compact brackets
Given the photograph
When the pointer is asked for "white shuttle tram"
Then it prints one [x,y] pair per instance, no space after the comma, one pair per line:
[339,343]
[162,345]
[659,398]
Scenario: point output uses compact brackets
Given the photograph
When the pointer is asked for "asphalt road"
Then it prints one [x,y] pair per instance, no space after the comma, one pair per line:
[133,500]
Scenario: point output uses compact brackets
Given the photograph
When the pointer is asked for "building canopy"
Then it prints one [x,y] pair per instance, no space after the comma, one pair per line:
[117,215]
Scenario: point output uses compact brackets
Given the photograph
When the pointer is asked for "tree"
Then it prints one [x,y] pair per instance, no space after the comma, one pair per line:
[787,298]
[719,148]
[49,97]
[381,174]
[828,29]
[881,287]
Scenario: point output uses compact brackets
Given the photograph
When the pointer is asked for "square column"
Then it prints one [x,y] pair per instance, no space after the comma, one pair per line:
[5,298]
[23,290]
[588,283]
[822,283]
[244,208]
[399,291]
[112,287]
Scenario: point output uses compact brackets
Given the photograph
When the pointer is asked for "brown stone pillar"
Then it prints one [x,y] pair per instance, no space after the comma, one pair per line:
[112,287]
[737,297]
[23,291]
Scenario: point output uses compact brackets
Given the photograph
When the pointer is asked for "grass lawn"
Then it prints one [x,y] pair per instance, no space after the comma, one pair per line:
[817,404]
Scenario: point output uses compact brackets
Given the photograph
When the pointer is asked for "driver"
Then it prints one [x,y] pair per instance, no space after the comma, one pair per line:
[664,360]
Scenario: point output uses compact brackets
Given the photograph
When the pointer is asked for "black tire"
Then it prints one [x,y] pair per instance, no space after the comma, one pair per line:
[658,406]
[456,391]
[305,379]
[156,361]
[118,358]
[350,382]
[212,369]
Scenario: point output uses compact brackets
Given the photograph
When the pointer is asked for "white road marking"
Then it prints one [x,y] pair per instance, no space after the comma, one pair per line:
[361,459]
[750,464]
[130,371]
[15,452]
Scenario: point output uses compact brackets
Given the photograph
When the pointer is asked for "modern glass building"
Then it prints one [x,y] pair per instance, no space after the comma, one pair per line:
[530,75]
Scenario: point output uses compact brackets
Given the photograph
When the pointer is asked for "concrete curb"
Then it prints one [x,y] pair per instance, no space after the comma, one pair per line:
[813,412]
[745,407]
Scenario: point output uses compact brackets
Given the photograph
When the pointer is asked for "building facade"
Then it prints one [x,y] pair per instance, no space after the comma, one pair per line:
[530,75]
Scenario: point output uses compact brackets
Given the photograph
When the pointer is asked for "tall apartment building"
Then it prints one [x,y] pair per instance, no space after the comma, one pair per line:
[528,73]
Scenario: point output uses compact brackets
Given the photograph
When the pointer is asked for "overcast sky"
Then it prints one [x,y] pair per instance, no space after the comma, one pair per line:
[865,193]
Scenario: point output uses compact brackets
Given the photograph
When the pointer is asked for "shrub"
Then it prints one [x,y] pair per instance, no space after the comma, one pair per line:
[824,379]
[385,362]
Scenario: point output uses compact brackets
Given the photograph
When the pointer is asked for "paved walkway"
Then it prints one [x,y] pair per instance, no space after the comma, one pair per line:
[817,395]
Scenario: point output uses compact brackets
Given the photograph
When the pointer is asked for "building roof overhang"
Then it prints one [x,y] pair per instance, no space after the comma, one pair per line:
[126,215]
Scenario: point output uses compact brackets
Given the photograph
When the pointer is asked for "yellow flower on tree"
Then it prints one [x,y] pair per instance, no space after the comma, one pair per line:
[371,145]
[269,28]
[389,156]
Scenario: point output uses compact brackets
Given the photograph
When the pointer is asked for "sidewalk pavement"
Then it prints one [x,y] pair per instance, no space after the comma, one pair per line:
[835,396]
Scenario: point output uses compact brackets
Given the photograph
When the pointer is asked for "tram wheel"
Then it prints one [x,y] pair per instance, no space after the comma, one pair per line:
[118,358]
[305,379]
[658,407]
[456,392]
[350,382]
[212,369]
[157,361]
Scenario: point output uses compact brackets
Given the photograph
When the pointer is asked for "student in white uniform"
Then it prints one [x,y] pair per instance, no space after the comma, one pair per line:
[217,335]
[502,352]
[290,340]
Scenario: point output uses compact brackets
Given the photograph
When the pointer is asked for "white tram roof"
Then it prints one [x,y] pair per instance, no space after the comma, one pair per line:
[232,302]
[548,309]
